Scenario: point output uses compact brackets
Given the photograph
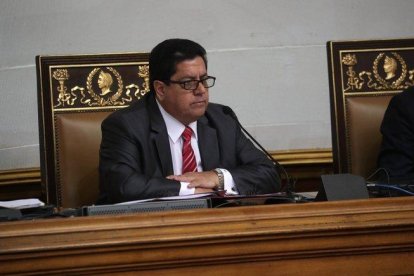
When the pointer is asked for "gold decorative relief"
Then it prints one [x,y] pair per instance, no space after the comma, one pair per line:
[388,71]
[389,67]
[353,81]
[143,72]
[411,78]
[105,82]
[102,86]
[64,98]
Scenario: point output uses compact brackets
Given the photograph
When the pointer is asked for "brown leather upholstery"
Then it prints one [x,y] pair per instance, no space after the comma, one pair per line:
[363,77]
[78,136]
[364,117]
[73,100]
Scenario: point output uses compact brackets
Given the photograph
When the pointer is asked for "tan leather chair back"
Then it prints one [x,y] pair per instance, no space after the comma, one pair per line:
[75,94]
[78,136]
[363,77]
[364,117]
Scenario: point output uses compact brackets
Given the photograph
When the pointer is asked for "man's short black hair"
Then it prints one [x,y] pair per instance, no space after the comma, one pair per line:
[165,56]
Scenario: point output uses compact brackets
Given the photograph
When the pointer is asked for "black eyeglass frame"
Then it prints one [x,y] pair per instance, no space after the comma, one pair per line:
[196,83]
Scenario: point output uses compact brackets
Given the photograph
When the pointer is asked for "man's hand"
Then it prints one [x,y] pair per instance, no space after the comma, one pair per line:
[199,180]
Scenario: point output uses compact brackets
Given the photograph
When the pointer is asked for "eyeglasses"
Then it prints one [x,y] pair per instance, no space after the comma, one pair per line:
[207,82]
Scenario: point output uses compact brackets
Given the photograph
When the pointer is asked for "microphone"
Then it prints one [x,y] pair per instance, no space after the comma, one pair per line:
[228,111]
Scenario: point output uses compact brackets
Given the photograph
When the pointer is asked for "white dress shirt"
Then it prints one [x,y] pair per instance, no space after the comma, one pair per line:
[175,130]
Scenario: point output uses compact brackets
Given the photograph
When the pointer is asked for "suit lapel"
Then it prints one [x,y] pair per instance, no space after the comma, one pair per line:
[159,135]
[208,145]
[207,141]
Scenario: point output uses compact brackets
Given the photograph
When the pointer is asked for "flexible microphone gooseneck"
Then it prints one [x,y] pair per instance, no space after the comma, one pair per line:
[228,111]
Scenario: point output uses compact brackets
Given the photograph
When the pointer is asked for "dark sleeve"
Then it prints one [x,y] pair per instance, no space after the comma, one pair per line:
[128,166]
[397,148]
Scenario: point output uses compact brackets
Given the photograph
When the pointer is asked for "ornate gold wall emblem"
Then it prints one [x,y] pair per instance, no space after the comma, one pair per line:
[101,86]
[384,71]
[104,80]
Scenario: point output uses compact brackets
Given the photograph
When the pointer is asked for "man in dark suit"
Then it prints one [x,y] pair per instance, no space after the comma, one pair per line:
[397,149]
[145,152]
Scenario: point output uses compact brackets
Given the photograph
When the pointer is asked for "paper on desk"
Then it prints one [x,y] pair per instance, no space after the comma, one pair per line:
[169,198]
[22,203]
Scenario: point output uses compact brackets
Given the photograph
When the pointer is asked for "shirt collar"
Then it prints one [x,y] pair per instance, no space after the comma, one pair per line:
[174,127]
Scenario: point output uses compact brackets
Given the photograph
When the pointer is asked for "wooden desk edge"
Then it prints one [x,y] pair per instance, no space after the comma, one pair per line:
[379,231]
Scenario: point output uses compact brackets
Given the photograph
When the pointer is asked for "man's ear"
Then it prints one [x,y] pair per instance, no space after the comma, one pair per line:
[159,88]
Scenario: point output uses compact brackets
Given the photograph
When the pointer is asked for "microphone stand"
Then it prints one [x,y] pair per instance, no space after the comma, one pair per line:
[289,187]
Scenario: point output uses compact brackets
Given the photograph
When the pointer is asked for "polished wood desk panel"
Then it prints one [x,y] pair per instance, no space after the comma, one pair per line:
[356,237]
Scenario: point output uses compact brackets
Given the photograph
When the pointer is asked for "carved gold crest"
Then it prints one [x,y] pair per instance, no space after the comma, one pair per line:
[388,72]
[104,80]
[103,87]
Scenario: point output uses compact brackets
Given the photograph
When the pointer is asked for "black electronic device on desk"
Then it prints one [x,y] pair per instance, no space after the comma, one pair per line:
[8,214]
[144,207]
[25,209]
[198,201]
[348,186]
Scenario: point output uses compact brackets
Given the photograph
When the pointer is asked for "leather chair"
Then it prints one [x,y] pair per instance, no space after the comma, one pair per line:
[73,99]
[364,117]
[363,77]
[78,136]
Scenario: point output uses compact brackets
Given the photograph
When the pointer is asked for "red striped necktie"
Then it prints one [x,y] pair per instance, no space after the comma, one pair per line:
[189,161]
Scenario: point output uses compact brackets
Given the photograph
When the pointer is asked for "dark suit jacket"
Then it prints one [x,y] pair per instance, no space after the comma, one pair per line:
[135,155]
[397,149]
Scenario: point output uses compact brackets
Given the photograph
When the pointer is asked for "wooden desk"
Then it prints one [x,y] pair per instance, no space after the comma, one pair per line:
[357,237]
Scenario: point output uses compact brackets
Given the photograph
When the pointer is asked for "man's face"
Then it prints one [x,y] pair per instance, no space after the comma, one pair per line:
[184,105]
[101,82]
